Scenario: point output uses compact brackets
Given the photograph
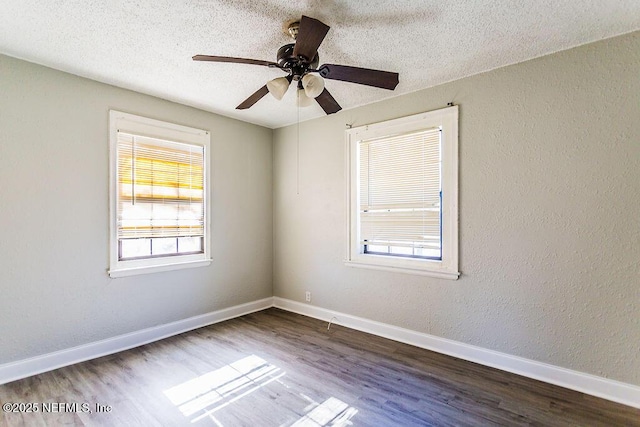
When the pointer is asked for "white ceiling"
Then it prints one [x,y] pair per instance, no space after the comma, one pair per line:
[147,45]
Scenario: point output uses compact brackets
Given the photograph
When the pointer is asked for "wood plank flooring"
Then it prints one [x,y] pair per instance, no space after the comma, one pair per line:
[275,368]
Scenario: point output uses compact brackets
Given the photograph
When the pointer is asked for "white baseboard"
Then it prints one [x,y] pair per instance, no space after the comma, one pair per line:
[48,362]
[615,391]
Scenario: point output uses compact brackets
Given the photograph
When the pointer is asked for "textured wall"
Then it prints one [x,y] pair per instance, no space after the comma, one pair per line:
[54,288]
[549,213]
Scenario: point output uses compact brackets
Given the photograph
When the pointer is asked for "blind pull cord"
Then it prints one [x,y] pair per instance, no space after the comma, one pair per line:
[133,171]
[298,150]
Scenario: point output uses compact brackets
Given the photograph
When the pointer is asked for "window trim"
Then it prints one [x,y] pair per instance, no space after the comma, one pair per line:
[143,126]
[447,268]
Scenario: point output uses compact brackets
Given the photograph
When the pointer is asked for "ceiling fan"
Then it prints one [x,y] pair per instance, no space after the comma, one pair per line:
[300,61]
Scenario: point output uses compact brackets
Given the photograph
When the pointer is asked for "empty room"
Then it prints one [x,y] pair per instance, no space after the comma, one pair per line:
[320,213]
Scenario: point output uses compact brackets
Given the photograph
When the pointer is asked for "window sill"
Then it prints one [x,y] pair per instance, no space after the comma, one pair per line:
[132,271]
[440,274]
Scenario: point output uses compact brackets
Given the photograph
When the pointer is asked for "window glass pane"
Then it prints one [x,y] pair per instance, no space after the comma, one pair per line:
[189,244]
[377,248]
[165,246]
[429,253]
[401,250]
[135,248]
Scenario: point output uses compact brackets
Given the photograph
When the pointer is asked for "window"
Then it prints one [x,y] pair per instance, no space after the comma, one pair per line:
[159,196]
[403,194]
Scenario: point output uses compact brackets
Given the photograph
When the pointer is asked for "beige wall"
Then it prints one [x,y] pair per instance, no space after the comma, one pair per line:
[549,214]
[54,289]
[549,202]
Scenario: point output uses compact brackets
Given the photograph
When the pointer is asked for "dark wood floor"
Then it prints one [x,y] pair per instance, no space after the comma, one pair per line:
[275,368]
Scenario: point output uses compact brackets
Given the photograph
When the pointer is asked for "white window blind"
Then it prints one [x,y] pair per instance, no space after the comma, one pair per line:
[400,194]
[160,204]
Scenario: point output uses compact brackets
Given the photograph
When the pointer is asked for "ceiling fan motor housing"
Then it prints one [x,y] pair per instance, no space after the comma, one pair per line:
[298,66]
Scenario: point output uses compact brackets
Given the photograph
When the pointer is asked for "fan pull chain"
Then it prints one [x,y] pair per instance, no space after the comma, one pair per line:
[298,149]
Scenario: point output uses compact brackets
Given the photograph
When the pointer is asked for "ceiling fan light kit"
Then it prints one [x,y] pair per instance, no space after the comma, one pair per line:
[278,87]
[313,85]
[303,100]
[299,60]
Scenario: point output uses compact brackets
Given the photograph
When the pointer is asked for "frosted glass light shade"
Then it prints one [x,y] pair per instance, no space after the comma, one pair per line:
[303,99]
[278,87]
[313,85]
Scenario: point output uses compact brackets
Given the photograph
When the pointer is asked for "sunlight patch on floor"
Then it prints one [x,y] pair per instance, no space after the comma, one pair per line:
[207,394]
[224,383]
[332,412]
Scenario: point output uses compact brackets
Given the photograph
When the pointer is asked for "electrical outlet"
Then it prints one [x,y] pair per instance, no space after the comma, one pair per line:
[307,296]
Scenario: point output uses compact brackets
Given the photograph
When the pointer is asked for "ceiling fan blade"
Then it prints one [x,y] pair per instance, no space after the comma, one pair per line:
[328,104]
[234,60]
[363,76]
[310,34]
[257,96]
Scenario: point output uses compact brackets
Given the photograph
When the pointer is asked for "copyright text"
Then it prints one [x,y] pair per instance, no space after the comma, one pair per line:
[55,407]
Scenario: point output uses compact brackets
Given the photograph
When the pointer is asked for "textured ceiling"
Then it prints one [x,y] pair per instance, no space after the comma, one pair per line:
[147,45]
